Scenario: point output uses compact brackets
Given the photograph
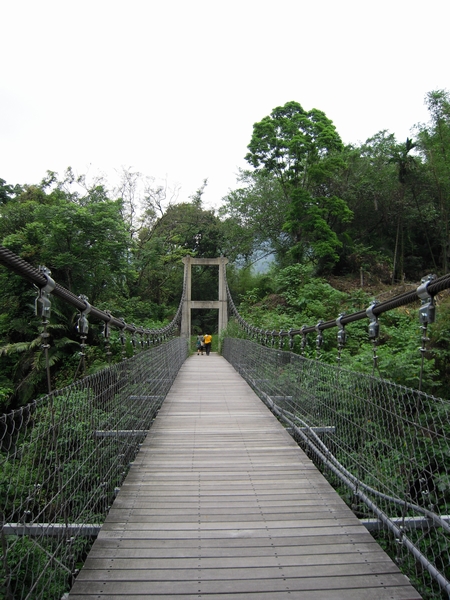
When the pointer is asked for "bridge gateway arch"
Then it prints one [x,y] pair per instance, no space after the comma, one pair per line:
[220,304]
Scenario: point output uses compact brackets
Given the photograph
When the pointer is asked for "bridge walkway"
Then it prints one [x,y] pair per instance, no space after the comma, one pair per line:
[221,503]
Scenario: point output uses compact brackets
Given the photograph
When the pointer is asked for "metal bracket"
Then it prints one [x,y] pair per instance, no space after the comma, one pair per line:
[427,311]
[374,326]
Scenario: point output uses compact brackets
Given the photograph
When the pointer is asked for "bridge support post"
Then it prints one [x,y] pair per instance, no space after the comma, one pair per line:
[220,304]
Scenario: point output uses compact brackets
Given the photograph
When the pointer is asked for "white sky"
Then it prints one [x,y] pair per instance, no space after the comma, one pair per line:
[171,88]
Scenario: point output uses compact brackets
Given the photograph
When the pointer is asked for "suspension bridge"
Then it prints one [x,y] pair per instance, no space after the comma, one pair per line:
[168,476]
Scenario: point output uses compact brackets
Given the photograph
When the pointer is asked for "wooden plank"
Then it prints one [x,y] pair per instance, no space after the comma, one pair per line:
[221,502]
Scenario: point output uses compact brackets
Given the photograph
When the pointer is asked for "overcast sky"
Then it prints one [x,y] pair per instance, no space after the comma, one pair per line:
[171,88]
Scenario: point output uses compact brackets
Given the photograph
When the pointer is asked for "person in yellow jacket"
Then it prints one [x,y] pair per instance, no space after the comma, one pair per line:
[208,340]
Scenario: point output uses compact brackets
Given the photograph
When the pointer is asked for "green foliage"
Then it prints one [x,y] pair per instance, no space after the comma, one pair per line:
[303,151]
[434,144]
[380,208]
[253,216]
[304,300]
[28,563]
[85,246]
[439,347]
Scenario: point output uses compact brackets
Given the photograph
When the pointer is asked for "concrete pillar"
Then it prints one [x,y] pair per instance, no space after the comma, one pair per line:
[186,310]
[220,304]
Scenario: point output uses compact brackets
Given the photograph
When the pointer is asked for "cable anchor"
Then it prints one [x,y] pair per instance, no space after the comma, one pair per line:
[272,341]
[133,337]
[123,338]
[291,339]
[106,334]
[83,323]
[83,329]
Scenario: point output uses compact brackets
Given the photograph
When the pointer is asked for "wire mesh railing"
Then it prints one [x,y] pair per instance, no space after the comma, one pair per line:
[63,459]
[384,447]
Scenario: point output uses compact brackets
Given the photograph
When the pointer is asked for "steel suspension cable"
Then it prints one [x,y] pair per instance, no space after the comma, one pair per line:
[434,287]
[37,277]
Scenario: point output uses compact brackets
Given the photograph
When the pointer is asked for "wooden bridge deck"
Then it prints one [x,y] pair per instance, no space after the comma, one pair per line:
[221,503]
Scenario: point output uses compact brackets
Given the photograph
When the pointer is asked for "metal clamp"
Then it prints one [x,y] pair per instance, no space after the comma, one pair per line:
[304,341]
[83,323]
[106,329]
[374,326]
[427,311]
[319,337]
[42,304]
[341,334]
[291,339]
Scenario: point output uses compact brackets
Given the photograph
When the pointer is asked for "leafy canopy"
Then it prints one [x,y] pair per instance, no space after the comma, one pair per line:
[303,151]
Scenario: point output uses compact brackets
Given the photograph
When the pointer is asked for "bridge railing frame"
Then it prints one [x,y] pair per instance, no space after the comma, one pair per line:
[391,510]
[46,287]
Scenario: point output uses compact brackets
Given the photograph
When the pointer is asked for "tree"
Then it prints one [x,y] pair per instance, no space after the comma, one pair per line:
[7,191]
[385,184]
[434,144]
[254,215]
[303,151]
[183,229]
[83,241]
[144,200]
